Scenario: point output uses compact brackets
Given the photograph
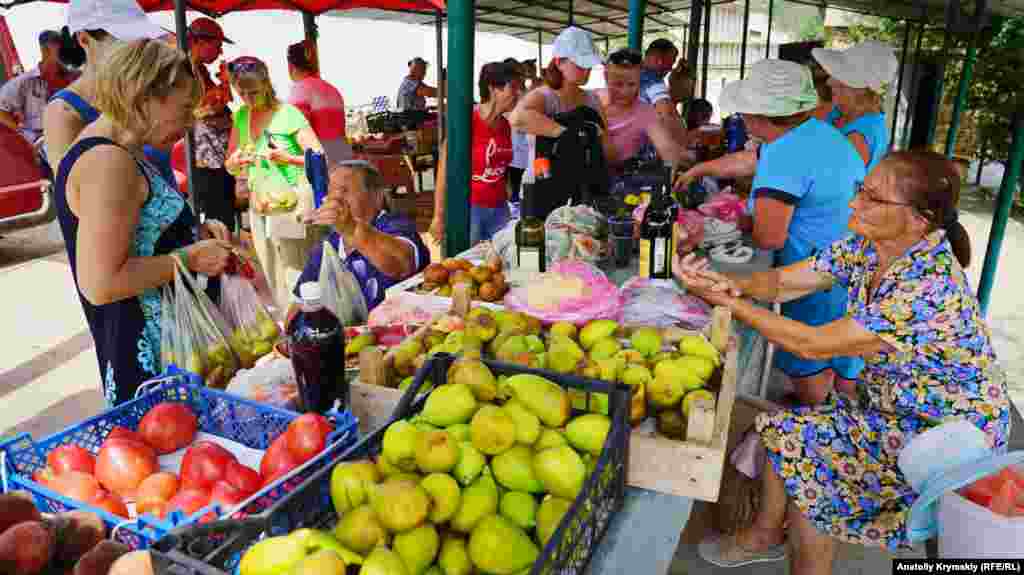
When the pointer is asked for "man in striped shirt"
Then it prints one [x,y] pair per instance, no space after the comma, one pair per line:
[413,93]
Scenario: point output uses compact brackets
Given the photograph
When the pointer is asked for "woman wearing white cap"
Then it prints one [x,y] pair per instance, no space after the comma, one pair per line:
[837,471]
[857,76]
[93,28]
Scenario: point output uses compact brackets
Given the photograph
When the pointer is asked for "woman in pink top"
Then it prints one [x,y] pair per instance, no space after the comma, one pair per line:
[632,124]
[319,101]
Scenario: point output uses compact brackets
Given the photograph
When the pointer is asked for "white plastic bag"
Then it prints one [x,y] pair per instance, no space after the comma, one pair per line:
[339,289]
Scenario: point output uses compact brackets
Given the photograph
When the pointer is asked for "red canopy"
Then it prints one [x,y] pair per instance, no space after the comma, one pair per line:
[221,7]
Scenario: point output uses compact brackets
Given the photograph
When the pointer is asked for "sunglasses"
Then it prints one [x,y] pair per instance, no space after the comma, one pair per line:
[245,65]
[625,57]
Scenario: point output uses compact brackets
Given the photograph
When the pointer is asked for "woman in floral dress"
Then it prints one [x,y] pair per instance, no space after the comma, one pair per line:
[912,316]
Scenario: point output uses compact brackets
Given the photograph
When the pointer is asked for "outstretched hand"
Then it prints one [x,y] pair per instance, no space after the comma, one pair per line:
[697,277]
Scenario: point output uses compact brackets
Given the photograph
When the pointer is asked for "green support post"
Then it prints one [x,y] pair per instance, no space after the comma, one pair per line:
[637,8]
[1003,204]
[461,24]
[961,96]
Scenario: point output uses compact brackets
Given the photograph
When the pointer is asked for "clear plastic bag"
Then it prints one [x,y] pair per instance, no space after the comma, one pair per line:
[200,340]
[253,332]
[167,328]
[339,289]
[270,382]
[270,192]
[660,303]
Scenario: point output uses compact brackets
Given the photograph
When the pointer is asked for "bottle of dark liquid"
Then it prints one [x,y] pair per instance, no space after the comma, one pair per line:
[316,342]
[656,246]
[530,253]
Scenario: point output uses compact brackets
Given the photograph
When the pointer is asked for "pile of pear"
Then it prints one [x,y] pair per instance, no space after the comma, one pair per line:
[256,340]
[477,482]
[217,365]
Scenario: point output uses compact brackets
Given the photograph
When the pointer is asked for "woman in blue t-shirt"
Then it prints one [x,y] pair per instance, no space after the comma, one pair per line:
[857,77]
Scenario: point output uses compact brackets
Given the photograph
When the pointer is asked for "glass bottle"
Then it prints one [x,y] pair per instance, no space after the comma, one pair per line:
[656,241]
[316,342]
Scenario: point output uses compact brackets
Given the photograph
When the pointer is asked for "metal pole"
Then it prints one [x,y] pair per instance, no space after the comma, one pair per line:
[899,85]
[572,16]
[312,34]
[940,87]
[707,49]
[181,29]
[917,76]
[439,38]
[461,26]
[965,81]
[743,44]
[636,23]
[1003,204]
[693,35]
[540,53]
[768,41]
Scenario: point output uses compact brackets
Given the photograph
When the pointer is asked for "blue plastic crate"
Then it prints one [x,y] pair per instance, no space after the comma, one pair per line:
[231,417]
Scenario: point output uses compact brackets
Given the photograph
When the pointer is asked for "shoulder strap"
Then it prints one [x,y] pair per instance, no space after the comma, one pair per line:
[88,113]
[78,149]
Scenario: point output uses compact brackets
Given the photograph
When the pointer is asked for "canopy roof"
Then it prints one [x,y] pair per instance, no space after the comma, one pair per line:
[221,7]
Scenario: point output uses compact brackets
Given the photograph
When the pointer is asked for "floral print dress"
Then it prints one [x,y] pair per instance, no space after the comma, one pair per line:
[838,460]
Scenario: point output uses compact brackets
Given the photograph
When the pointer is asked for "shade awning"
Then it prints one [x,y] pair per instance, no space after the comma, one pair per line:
[220,7]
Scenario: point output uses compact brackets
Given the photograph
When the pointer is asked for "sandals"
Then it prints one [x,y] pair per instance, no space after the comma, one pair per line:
[724,551]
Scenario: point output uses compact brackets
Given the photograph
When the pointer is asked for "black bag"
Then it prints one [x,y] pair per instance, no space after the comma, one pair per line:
[579,170]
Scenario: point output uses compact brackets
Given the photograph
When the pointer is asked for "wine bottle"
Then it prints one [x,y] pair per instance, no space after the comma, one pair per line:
[530,253]
[656,245]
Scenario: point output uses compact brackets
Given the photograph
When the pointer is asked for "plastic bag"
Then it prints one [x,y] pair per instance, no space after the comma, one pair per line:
[270,192]
[601,300]
[725,207]
[253,332]
[167,328]
[660,303]
[575,233]
[339,289]
[271,382]
[200,333]
[690,230]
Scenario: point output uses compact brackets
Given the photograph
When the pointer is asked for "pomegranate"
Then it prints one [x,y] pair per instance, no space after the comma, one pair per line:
[307,436]
[243,478]
[123,464]
[71,458]
[204,464]
[168,427]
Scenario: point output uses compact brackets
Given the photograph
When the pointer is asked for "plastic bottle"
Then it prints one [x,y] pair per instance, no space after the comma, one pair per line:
[316,342]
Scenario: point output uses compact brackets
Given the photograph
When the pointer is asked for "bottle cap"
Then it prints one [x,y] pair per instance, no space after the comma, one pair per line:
[310,292]
[541,165]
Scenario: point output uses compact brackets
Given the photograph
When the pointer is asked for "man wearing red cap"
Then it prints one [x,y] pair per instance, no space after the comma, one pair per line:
[213,187]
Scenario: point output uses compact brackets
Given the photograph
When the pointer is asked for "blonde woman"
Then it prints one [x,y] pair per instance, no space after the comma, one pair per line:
[267,145]
[124,225]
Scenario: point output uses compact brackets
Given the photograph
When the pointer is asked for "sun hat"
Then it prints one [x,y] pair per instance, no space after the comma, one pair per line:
[207,28]
[870,64]
[940,460]
[577,45]
[122,19]
[772,88]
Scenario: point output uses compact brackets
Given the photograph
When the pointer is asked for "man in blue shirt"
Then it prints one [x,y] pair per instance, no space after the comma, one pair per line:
[659,60]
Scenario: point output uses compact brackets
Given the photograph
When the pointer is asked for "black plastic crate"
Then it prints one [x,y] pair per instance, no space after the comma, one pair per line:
[216,548]
[395,122]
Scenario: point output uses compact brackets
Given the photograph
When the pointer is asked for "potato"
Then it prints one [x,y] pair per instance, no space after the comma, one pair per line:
[26,548]
[77,533]
[17,507]
[101,558]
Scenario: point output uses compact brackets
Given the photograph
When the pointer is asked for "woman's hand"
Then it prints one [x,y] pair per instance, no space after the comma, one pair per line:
[696,275]
[280,156]
[208,257]
[215,229]
[238,161]
[437,229]
[684,179]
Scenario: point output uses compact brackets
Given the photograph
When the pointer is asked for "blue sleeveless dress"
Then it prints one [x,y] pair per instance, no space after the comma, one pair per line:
[127,332]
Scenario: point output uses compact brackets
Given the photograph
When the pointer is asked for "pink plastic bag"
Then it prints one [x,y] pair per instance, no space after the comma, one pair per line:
[603,299]
[724,206]
[692,223]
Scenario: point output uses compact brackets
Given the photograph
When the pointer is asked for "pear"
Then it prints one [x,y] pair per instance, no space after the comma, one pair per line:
[492,430]
[323,562]
[538,361]
[360,530]
[478,501]
[400,443]
[646,340]
[545,399]
[359,343]
[471,463]
[437,452]
[421,424]
[434,570]
[383,561]
[588,432]
[549,438]
[385,468]
[698,369]
[519,508]
[459,432]
[662,356]
[514,470]
[477,312]
[272,556]
[477,376]
[611,368]
[527,424]
[604,348]
[668,386]
[314,540]
[401,505]
[694,396]
[560,470]
[534,344]
[448,405]
[549,516]
[417,548]
[564,355]
[499,546]
[564,329]
[595,331]
[672,424]
[512,348]
[405,354]
[483,327]
[699,346]
[511,321]
[445,495]
[351,483]
[635,375]
[454,557]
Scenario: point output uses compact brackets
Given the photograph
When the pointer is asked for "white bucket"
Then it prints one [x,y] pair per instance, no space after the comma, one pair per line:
[970,531]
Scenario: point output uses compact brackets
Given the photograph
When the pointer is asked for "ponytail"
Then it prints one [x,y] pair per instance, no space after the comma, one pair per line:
[960,241]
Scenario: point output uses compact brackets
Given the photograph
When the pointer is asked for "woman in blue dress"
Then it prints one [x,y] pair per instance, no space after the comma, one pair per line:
[124,225]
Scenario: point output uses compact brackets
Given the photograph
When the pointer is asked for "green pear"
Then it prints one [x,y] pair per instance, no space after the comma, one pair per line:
[699,346]
[611,368]
[351,483]
[454,557]
[478,501]
[595,331]
[549,438]
[511,321]
[534,344]
[383,561]
[359,343]
[694,396]
[360,530]
[514,470]
[564,329]
[400,505]
[323,562]
[563,355]
[445,495]
[417,548]
[404,355]
[492,430]
[549,515]
[698,369]
[671,424]
[399,446]
[471,463]
[561,470]
[604,348]
[527,424]
[512,348]
[483,327]
[421,424]
[588,432]
[630,356]
[519,508]
[314,540]
[459,431]
[662,356]
[668,386]
[386,468]
[499,546]
[646,340]
[635,375]
[438,452]
[448,405]
[434,570]
[538,361]
[474,374]
[547,400]
[272,556]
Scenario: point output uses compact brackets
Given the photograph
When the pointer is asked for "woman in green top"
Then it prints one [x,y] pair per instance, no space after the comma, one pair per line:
[267,144]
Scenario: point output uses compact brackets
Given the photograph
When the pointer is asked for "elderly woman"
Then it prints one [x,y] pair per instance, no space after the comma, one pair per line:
[912,316]
[124,225]
[267,144]
[379,248]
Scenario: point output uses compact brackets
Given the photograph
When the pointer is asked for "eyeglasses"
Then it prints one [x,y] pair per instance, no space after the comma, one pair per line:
[625,57]
[245,65]
[868,194]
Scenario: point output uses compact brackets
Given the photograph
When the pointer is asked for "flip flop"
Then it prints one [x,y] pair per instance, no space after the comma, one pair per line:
[724,551]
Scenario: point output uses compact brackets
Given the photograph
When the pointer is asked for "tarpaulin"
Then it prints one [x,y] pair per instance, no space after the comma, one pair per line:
[10,63]
[221,7]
